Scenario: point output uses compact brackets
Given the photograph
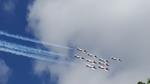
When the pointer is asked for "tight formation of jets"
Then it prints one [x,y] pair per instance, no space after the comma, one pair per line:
[94,62]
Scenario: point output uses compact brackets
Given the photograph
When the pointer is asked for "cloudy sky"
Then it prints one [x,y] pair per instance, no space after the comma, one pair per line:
[106,28]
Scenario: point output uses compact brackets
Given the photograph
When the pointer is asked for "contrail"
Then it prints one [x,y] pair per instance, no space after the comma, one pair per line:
[29,52]
[31,40]
[31,56]
[27,49]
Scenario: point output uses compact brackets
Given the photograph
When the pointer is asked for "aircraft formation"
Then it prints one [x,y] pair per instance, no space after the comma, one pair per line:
[94,62]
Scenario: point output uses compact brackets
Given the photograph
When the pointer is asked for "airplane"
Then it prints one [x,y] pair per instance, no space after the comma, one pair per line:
[76,56]
[101,67]
[117,59]
[113,58]
[107,64]
[106,69]
[94,67]
[103,64]
[107,61]
[82,50]
[94,62]
[91,67]
[79,49]
[85,51]
[89,54]
[102,60]
[95,56]
[82,58]
[90,61]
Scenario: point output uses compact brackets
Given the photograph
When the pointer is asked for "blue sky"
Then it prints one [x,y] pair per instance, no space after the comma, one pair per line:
[14,20]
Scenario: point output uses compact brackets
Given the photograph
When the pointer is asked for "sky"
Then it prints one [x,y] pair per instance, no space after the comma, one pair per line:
[106,28]
[16,69]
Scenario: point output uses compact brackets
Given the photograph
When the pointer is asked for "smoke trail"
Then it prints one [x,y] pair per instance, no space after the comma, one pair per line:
[30,55]
[28,52]
[31,40]
[27,49]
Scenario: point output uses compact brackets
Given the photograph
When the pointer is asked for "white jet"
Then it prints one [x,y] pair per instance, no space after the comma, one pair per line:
[94,62]
[82,50]
[101,60]
[79,49]
[82,58]
[116,59]
[101,63]
[91,67]
[119,60]
[107,64]
[90,55]
[106,61]
[76,56]
[106,69]
[85,51]
[90,61]
[101,67]
[94,68]
[79,57]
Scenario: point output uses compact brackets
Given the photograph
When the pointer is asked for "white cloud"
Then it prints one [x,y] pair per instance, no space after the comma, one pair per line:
[117,27]
[4,72]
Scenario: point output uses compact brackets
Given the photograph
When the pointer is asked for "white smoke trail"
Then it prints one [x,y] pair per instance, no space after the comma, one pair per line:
[30,55]
[31,40]
[28,49]
[29,52]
